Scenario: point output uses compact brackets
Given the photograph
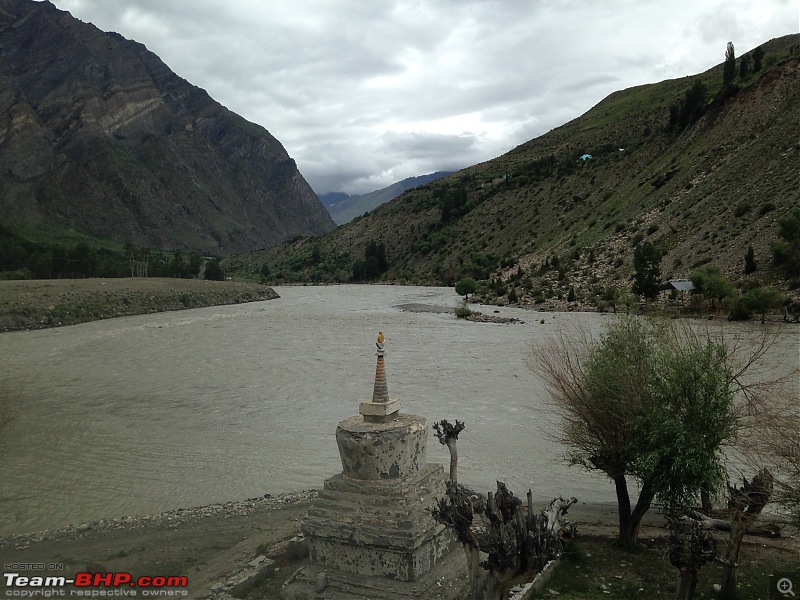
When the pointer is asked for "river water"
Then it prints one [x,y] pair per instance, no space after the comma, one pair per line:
[142,414]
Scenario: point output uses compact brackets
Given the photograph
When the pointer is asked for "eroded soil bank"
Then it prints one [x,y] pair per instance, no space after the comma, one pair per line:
[42,303]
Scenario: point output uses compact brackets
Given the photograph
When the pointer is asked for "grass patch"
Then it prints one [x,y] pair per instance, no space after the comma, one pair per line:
[595,567]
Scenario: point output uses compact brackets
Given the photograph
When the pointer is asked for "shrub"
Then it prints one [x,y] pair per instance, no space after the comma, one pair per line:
[742,209]
[462,311]
[756,300]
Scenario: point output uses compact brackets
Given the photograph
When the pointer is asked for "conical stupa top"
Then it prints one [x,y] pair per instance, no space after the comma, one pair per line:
[381,391]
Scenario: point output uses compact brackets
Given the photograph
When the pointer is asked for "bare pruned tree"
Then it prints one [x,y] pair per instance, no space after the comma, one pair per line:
[690,547]
[744,505]
[447,433]
[517,540]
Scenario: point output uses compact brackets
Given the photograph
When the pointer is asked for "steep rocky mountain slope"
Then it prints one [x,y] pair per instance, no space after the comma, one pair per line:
[96,133]
[702,190]
[344,208]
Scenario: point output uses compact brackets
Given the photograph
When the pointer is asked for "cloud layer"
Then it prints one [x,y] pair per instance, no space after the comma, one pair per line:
[363,94]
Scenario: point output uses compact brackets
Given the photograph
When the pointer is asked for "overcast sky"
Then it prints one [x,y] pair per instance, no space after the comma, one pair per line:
[363,93]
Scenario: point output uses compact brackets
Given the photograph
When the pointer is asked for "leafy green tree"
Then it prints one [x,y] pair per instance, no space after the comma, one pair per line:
[466,286]
[786,251]
[750,265]
[713,285]
[177,266]
[60,260]
[82,260]
[729,68]
[652,402]
[130,254]
[316,255]
[193,264]
[453,204]
[647,274]
[690,109]
[264,272]
[758,56]
[744,66]
[214,271]
[374,263]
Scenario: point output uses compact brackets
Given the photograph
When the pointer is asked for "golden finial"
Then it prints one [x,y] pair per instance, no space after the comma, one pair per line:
[380,337]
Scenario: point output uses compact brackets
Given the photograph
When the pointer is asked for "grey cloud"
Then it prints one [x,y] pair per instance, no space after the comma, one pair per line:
[363,92]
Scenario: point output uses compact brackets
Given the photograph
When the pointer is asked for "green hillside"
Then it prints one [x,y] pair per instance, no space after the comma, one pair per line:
[702,176]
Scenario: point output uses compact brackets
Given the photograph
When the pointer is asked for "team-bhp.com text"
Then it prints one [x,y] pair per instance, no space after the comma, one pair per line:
[94,585]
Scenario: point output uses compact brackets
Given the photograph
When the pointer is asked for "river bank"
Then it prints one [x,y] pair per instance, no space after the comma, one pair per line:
[209,545]
[39,304]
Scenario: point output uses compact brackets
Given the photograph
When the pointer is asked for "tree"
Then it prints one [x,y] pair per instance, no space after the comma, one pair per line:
[264,272]
[744,66]
[713,285]
[177,265]
[519,541]
[447,434]
[647,275]
[194,264]
[374,263]
[466,286]
[690,547]
[729,68]
[651,401]
[756,300]
[690,109]
[750,265]
[214,271]
[316,254]
[777,444]
[130,254]
[744,506]
[786,251]
[758,56]
[82,260]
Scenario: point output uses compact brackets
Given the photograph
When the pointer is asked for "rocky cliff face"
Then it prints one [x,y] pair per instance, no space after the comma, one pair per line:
[97,133]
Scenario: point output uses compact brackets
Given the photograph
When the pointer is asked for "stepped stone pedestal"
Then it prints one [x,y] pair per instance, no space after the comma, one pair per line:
[370,531]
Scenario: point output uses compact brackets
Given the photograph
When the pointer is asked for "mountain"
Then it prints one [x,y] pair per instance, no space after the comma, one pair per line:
[97,134]
[702,174]
[332,198]
[344,208]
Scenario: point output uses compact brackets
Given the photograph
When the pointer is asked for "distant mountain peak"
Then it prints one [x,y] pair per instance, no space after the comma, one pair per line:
[343,208]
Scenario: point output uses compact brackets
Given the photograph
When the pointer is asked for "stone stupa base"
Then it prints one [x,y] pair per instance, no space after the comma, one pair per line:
[377,539]
[450,581]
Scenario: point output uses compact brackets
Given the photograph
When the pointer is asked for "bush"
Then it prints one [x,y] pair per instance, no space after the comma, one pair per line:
[462,311]
[756,300]
[742,209]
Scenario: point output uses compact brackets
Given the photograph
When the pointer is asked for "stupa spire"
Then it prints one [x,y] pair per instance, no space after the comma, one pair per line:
[380,393]
[380,409]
